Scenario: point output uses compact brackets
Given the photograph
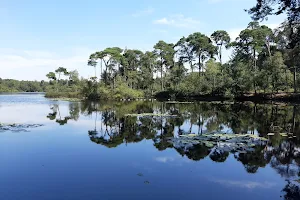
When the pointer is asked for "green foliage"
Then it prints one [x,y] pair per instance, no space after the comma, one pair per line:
[124,92]
[221,38]
[202,47]
[10,85]
[262,63]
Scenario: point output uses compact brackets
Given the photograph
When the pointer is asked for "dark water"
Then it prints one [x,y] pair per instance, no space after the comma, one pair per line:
[95,151]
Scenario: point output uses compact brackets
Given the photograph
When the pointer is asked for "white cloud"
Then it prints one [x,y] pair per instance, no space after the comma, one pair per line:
[34,64]
[179,21]
[145,12]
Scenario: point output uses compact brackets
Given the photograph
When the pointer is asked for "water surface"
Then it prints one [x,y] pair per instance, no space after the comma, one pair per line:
[95,151]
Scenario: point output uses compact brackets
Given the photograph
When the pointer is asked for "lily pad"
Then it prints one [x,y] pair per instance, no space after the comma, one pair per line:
[283,134]
[18,127]
[140,174]
[149,115]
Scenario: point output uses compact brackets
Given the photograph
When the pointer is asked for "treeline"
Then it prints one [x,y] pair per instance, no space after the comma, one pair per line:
[10,85]
[264,61]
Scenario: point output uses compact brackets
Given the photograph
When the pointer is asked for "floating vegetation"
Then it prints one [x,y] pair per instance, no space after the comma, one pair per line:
[220,142]
[140,174]
[18,127]
[290,135]
[149,115]
[146,182]
[179,102]
[283,134]
[65,99]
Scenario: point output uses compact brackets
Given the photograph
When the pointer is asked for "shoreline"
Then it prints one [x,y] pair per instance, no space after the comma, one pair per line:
[284,98]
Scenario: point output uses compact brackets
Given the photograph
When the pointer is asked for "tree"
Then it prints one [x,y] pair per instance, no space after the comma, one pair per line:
[185,52]
[291,55]
[51,76]
[213,75]
[277,73]
[221,38]
[92,62]
[61,70]
[202,47]
[111,58]
[264,8]
[250,44]
[74,78]
[148,65]
[165,54]
[132,66]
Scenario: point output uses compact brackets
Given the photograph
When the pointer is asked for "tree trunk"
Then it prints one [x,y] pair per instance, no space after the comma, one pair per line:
[100,70]
[191,66]
[199,63]
[222,73]
[295,80]
[161,76]
[214,84]
[254,81]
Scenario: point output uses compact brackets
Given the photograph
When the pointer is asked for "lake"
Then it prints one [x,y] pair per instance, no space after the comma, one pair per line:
[72,150]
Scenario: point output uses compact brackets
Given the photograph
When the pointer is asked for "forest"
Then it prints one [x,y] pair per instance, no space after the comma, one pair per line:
[10,85]
[262,62]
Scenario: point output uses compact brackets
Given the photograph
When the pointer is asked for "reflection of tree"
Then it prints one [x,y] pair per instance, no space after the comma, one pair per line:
[252,160]
[74,109]
[219,156]
[291,191]
[198,152]
[116,128]
[52,116]
[56,114]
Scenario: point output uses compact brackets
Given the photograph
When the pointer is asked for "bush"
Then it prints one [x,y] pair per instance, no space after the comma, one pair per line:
[53,94]
[124,92]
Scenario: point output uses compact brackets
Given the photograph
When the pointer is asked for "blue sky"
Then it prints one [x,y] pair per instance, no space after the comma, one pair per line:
[38,36]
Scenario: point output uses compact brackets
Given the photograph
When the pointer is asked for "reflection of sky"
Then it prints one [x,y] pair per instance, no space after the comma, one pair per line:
[61,161]
[246,184]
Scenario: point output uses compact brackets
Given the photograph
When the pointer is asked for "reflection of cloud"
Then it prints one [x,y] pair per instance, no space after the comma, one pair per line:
[245,184]
[164,159]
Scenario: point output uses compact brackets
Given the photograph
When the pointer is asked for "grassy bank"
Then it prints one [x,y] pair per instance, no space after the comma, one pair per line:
[68,96]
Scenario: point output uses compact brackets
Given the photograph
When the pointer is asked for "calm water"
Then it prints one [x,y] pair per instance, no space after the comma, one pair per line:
[95,151]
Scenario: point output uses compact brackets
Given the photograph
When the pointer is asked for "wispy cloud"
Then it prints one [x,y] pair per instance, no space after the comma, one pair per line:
[245,184]
[164,159]
[179,21]
[145,12]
